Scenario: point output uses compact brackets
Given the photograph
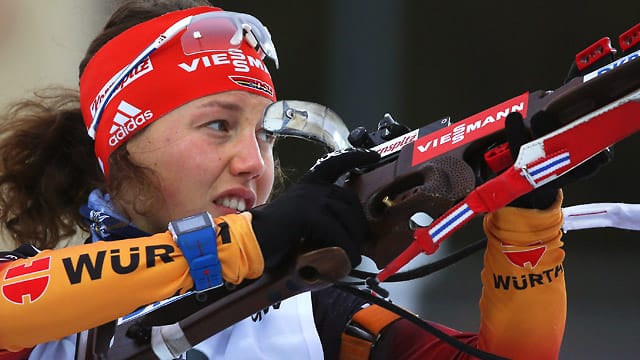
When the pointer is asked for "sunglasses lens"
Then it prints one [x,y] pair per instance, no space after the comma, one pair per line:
[210,34]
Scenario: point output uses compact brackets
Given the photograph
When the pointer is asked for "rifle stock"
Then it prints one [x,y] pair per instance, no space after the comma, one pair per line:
[313,270]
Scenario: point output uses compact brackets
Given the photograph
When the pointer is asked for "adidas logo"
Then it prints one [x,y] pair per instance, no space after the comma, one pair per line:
[126,121]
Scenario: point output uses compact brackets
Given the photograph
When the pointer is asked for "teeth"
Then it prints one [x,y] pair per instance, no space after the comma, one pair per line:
[233,203]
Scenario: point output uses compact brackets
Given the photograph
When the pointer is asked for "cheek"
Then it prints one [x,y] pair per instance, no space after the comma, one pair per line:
[185,171]
[265,182]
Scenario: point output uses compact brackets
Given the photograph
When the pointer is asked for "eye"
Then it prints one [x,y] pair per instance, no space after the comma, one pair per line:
[218,125]
[266,136]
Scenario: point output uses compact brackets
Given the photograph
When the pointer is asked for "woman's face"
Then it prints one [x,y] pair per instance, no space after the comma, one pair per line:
[211,154]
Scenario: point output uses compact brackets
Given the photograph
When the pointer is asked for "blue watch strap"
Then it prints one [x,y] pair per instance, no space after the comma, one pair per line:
[196,237]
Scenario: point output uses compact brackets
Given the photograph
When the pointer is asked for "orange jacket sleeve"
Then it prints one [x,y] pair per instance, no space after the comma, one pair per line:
[64,291]
[523,303]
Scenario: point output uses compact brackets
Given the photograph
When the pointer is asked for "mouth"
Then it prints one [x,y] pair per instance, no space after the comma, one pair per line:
[232,202]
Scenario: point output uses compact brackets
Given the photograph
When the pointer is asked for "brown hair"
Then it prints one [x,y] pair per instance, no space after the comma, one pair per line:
[47,162]
[47,167]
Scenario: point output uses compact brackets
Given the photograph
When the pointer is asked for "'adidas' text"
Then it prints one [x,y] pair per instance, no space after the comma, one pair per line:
[127,120]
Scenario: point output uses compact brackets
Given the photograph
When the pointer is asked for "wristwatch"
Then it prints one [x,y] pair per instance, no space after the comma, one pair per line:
[196,237]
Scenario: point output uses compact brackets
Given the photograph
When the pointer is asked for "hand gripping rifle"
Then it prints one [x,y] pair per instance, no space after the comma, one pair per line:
[445,171]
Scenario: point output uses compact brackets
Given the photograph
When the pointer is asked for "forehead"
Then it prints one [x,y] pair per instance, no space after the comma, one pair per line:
[234,101]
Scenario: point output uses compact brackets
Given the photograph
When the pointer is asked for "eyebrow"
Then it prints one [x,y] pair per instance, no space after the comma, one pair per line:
[227,105]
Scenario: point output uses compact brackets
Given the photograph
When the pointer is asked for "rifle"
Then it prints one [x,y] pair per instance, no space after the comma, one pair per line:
[423,174]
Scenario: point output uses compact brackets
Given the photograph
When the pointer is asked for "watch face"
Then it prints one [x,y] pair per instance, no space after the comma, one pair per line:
[192,223]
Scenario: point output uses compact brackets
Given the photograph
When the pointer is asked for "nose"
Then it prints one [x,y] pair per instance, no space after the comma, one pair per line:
[248,159]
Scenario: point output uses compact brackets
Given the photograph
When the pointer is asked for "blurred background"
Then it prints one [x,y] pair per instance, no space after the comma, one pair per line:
[418,61]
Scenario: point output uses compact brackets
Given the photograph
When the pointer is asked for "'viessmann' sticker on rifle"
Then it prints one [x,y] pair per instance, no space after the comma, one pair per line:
[465,131]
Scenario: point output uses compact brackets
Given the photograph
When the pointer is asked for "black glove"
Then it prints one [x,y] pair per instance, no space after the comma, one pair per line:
[542,124]
[315,213]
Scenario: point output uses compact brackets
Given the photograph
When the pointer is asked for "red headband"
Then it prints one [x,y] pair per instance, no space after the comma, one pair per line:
[165,80]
